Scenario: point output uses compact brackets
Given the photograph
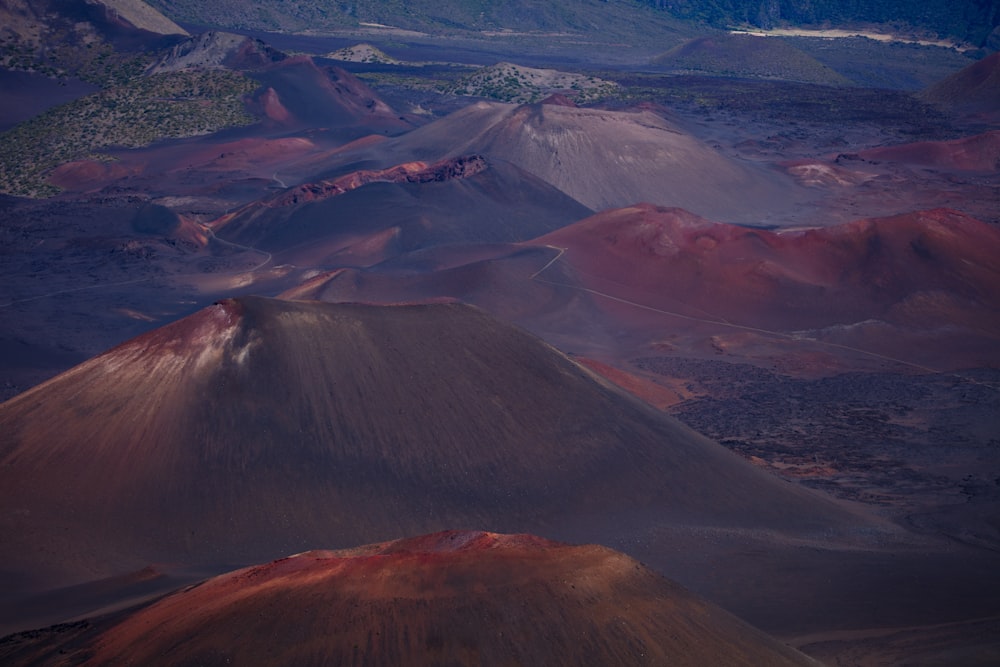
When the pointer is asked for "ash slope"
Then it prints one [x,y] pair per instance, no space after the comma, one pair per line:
[367,215]
[603,158]
[258,427]
[457,598]
[975,88]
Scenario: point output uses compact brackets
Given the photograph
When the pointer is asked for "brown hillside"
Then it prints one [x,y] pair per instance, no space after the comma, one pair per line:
[975,88]
[456,598]
[980,152]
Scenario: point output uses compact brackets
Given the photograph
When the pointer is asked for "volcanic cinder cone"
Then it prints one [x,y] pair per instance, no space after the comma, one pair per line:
[603,158]
[258,427]
[455,598]
[367,215]
[975,88]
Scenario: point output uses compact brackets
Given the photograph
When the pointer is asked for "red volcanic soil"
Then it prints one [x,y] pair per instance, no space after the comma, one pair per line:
[410,172]
[456,598]
[975,88]
[252,156]
[977,153]
[925,271]
[87,175]
[272,107]
[651,392]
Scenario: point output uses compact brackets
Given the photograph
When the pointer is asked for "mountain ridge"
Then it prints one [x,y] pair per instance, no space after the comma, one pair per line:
[967,20]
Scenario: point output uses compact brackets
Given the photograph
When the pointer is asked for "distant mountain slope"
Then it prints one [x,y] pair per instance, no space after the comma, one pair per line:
[603,158]
[748,56]
[967,20]
[140,15]
[74,36]
[216,50]
[614,19]
[455,598]
[975,88]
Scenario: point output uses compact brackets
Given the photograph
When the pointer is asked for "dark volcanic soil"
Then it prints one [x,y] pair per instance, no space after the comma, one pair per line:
[913,444]
[26,95]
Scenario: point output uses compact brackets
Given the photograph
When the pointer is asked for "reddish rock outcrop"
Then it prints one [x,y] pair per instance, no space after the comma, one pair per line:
[976,153]
[410,172]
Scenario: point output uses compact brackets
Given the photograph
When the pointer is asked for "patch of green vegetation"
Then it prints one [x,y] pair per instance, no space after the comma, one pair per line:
[785,101]
[408,80]
[747,56]
[95,62]
[146,109]
[614,20]
[525,85]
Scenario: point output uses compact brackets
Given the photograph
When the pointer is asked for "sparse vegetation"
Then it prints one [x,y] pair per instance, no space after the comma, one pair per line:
[512,83]
[363,53]
[175,104]
[747,56]
[784,102]
[95,61]
[968,20]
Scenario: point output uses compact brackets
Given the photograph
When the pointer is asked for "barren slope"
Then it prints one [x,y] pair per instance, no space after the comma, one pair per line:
[978,153]
[973,89]
[457,598]
[259,427]
[258,424]
[606,158]
[368,215]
